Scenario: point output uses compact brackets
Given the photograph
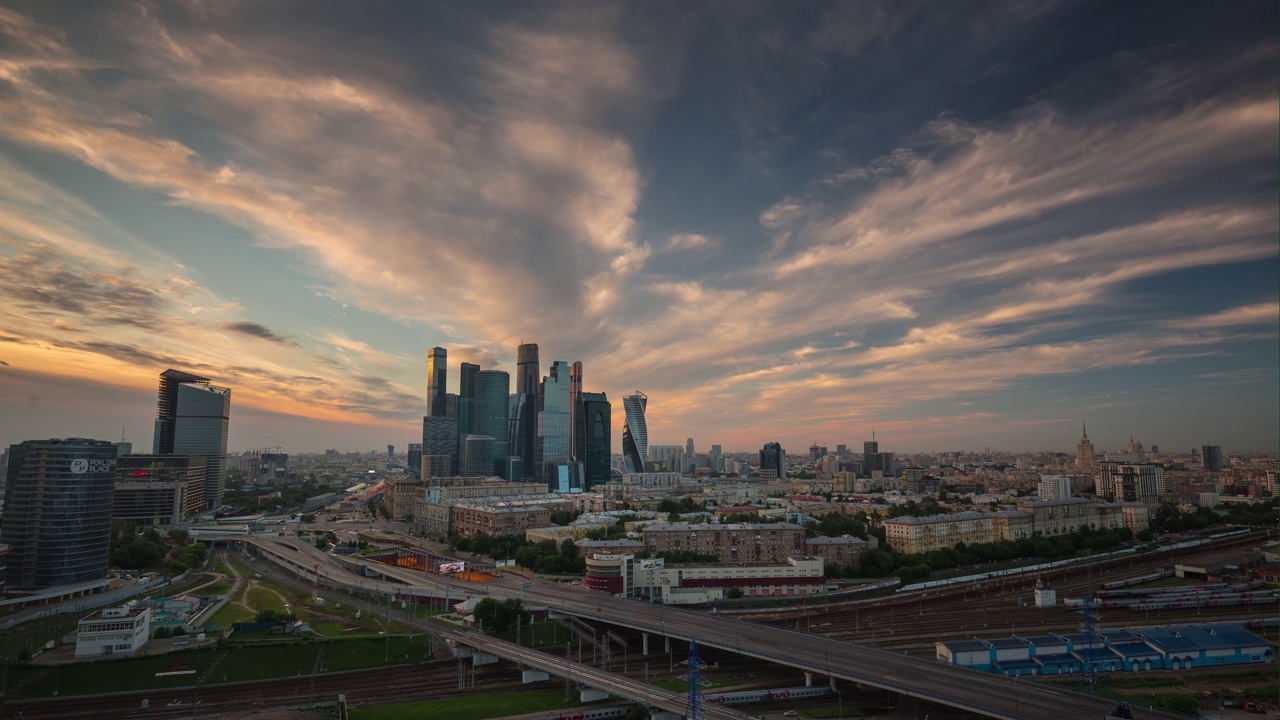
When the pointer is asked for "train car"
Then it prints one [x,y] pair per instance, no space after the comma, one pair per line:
[608,712]
[746,697]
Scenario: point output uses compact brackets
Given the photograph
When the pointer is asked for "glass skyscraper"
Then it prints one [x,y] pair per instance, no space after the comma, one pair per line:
[524,415]
[57,511]
[592,421]
[773,461]
[555,429]
[193,418]
[635,434]
[437,373]
[492,411]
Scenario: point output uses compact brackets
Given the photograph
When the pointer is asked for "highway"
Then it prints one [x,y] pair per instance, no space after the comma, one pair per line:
[974,691]
[971,690]
[591,676]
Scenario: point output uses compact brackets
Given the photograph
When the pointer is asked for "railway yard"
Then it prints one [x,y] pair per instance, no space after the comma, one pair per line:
[912,622]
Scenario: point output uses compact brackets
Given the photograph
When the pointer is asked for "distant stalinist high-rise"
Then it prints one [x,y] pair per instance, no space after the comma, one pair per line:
[1085,458]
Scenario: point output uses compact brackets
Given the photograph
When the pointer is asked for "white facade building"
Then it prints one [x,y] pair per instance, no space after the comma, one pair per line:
[114,631]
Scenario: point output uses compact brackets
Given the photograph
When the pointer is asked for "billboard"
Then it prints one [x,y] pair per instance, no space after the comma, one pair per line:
[451,567]
[652,564]
[504,563]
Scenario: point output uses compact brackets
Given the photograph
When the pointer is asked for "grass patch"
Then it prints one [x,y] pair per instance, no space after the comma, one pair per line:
[244,570]
[106,676]
[1267,674]
[1153,681]
[218,588]
[539,634]
[470,708]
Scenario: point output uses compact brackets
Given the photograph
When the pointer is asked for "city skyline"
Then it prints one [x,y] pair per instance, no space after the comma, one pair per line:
[970,227]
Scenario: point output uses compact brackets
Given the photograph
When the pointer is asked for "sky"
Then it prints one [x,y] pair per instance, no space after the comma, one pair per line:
[967,224]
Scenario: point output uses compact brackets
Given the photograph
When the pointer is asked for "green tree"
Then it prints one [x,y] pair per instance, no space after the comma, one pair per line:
[499,616]
[733,593]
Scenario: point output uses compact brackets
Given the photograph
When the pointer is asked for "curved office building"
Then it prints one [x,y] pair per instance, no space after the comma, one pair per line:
[635,436]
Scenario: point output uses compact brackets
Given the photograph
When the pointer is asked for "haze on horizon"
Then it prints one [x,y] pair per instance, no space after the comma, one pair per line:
[973,225]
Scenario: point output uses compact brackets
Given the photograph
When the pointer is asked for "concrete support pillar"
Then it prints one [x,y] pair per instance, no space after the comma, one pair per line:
[808,679]
[591,695]
[481,658]
[644,637]
[533,676]
[666,643]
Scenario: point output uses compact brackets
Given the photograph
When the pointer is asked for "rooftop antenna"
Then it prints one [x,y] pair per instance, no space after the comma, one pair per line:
[121,433]
[873,432]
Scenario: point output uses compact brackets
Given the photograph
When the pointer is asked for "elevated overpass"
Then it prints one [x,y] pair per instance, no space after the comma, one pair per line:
[974,691]
[587,675]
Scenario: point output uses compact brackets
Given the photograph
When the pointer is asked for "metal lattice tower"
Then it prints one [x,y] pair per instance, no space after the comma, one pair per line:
[1090,677]
[693,706]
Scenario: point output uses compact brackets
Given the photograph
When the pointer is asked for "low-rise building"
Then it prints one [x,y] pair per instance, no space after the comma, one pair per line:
[837,551]
[693,584]
[113,631]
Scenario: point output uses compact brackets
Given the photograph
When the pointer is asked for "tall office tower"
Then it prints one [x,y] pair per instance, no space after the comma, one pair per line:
[57,511]
[555,430]
[842,451]
[717,458]
[464,404]
[437,466]
[437,374]
[870,447]
[477,456]
[1211,456]
[635,434]
[391,452]
[440,437]
[491,412]
[451,405]
[192,418]
[159,489]
[593,418]
[415,458]
[773,461]
[1086,460]
[524,419]
[688,448]
[575,401]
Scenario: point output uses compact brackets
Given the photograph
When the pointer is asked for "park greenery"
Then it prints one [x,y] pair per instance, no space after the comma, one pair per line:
[500,616]
[268,499]
[147,550]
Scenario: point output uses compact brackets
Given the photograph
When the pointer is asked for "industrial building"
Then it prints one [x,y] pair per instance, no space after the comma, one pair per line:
[692,584]
[1163,648]
[113,631]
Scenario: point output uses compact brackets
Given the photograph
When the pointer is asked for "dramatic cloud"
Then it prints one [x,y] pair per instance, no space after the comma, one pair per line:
[779,222]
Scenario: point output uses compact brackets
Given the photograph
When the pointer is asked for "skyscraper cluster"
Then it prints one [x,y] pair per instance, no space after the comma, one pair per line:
[549,430]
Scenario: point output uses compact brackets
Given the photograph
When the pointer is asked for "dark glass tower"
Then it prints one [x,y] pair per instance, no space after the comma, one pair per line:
[193,418]
[492,411]
[773,461]
[635,433]
[593,419]
[437,372]
[57,511]
[525,420]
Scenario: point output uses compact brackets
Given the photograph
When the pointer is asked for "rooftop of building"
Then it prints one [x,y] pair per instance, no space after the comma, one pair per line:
[842,540]
[932,519]
[705,527]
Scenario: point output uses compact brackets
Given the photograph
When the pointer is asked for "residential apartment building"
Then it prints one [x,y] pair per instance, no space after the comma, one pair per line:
[837,551]
[734,542]
[499,519]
